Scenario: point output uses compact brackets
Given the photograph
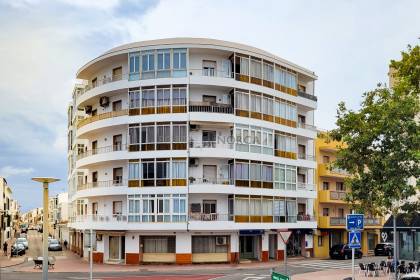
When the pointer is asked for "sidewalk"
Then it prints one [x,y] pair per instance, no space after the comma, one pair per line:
[338,274]
[6,262]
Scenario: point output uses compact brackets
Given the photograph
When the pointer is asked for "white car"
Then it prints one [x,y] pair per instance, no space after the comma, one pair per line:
[24,241]
[411,276]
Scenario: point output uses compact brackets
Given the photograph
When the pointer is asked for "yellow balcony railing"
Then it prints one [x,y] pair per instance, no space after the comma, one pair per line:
[325,170]
[328,196]
[103,116]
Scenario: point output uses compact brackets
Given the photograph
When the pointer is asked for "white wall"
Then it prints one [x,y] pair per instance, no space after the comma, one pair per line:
[183,243]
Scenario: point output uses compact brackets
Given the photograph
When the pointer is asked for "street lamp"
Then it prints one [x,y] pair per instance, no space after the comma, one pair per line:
[45,181]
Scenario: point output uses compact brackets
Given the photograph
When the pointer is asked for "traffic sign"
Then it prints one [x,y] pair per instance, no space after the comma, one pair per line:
[278,276]
[285,235]
[354,239]
[355,222]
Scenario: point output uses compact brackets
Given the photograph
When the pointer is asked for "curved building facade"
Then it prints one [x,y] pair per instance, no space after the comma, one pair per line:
[191,150]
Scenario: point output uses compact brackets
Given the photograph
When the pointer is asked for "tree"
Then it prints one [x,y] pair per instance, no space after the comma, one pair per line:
[382,151]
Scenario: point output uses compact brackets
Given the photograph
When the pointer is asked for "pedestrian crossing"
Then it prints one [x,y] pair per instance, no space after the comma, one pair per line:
[323,264]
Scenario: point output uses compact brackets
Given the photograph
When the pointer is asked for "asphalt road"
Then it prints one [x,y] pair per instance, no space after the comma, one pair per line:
[202,272]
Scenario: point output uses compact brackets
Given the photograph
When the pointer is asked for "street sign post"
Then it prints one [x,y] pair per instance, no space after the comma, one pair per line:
[355,222]
[285,235]
[354,239]
[279,276]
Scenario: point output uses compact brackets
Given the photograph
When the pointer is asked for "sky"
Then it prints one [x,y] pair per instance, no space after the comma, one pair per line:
[42,44]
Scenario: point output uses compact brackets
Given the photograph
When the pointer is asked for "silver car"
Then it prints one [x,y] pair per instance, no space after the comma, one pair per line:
[54,245]
[24,241]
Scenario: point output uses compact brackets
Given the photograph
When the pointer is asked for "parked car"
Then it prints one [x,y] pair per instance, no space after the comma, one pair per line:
[384,249]
[411,276]
[343,251]
[54,245]
[23,241]
[18,249]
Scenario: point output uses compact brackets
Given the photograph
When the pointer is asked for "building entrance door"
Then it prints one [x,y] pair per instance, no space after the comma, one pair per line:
[114,247]
[248,247]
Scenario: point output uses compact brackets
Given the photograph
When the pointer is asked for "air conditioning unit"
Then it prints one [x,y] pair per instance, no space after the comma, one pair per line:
[194,127]
[104,101]
[221,240]
[193,162]
[88,109]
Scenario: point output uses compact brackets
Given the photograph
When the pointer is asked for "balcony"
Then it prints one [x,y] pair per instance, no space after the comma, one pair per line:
[206,107]
[305,186]
[328,196]
[306,126]
[209,217]
[373,222]
[102,150]
[103,116]
[210,145]
[210,181]
[308,96]
[331,222]
[100,82]
[306,156]
[211,72]
[102,184]
[115,218]
[325,170]
[305,218]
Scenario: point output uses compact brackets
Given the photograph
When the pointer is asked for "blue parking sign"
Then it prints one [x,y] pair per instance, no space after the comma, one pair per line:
[355,239]
[355,222]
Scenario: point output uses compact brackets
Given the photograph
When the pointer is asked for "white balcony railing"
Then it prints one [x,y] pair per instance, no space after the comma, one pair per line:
[102,150]
[103,81]
[211,181]
[210,217]
[306,126]
[102,184]
[305,186]
[306,156]
[207,107]
[211,72]
[210,145]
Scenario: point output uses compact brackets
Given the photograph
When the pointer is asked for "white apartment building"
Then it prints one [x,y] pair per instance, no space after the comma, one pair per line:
[191,150]
[9,212]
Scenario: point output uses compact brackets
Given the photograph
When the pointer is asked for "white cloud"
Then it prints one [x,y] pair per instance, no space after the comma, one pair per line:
[8,171]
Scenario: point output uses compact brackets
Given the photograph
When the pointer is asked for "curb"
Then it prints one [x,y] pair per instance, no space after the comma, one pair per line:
[15,264]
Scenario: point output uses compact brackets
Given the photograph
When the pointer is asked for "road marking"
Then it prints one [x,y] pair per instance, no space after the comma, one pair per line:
[324,265]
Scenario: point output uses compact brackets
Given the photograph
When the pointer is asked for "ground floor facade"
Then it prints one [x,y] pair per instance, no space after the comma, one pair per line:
[136,247]
[324,239]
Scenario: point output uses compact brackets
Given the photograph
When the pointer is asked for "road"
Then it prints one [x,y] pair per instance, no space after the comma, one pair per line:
[202,272]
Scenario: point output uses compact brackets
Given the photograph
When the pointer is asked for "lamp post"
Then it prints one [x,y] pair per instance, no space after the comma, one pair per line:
[45,181]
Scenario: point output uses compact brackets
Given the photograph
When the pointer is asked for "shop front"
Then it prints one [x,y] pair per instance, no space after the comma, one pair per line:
[250,244]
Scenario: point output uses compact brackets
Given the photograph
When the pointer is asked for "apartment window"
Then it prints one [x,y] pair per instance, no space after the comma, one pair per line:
[179,96]
[179,133]
[179,62]
[163,63]
[241,100]
[325,159]
[340,186]
[209,206]
[134,134]
[268,72]
[285,177]
[94,176]
[94,82]
[134,97]
[267,173]
[267,141]
[117,105]
[162,169]
[242,171]
[325,186]
[320,241]
[133,170]
[148,65]
[148,170]
[148,208]
[148,98]
[94,208]
[255,172]
[325,212]
[163,134]
[179,169]
[285,143]
[163,209]
[256,68]
[209,68]
[255,139]
[340,212]
[279,210]
[118,175]
[242,138]
[255,103]
[117,142]
[244,66]
[134,66]
[133,208]
[267,106]
[179,208]
[117,207]
[163,97]
[148,134]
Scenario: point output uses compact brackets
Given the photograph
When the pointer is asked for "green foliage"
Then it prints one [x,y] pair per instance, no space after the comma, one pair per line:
[383,142]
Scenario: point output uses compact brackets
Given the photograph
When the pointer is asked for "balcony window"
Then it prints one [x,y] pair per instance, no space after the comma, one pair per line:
[279,210]
[291,209]
[133,171]
[134,97]
[255,103]
[267,173]
[268,72]
[163,63]
[148,65]
[179,169]
[325,212]
[325,186]
[148,134]
[255,172]
[339,186]
[256,69]
[134,66]
[148,208]
[163,209]
[284,177]
[163,134]
[163,97]
[255,139]
[162,169]
[241,100]
[179,62]
[179,133]
[267,141]
[242,171]
[209,68]
[117,175]
[148,98]
[134,135]
[148,170]
[179,208]
[267,106]
[179,96]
